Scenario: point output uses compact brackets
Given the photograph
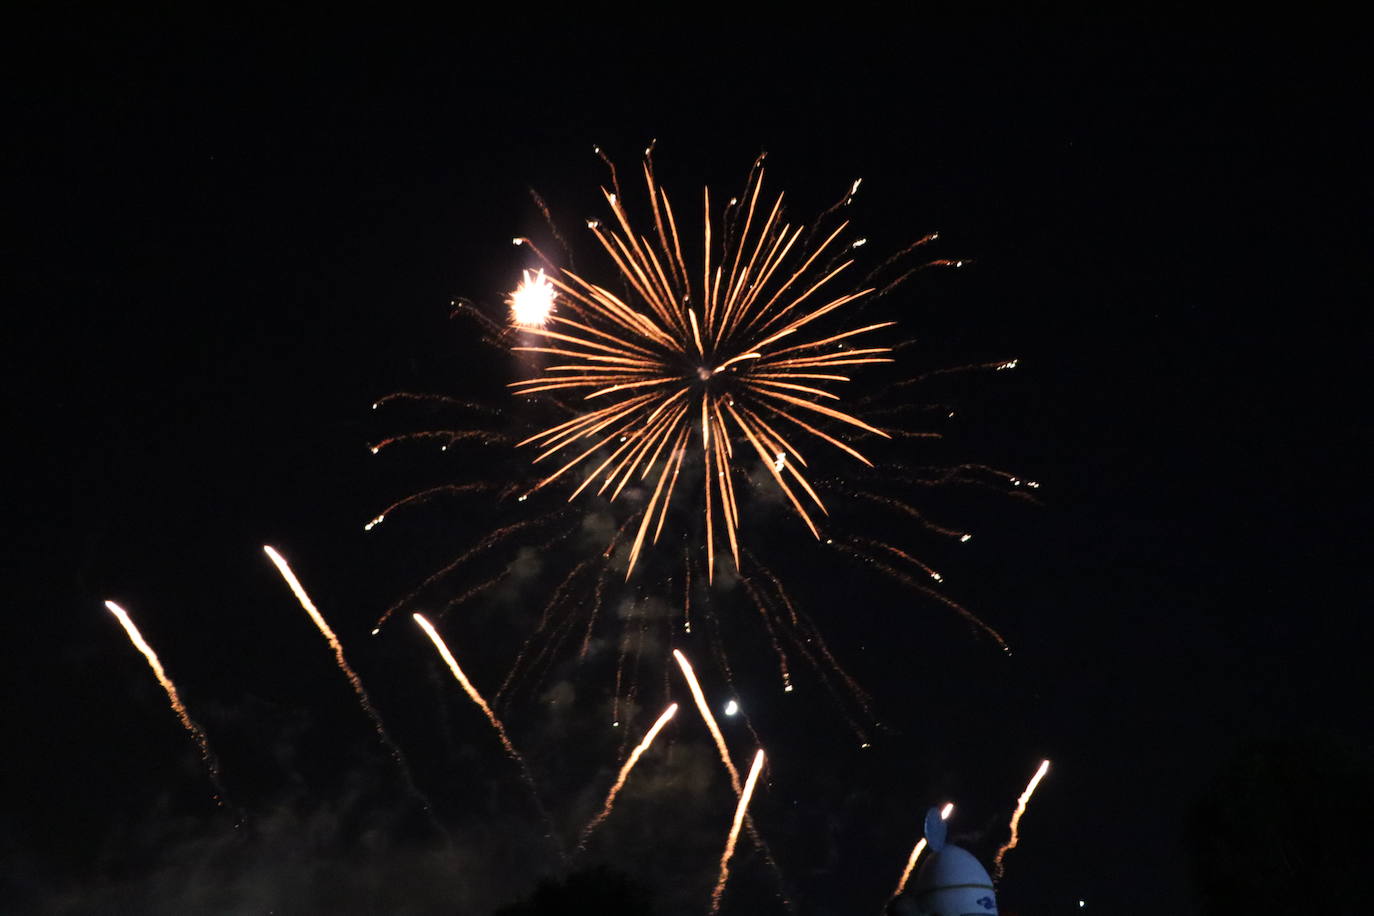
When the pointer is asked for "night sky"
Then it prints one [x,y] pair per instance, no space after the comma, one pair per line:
[235,236]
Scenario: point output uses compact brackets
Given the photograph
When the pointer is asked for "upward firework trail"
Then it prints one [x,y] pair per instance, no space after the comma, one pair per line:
[916,853]
[740,811]
[625,772]
[1016,817]
[476,697]
[363,699]
[197,735]
[704,708]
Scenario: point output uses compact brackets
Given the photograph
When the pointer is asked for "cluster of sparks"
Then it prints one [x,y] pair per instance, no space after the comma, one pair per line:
[719,352]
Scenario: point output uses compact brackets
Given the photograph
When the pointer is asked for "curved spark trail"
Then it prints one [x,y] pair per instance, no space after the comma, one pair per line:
[1021,803]
[916,853]
[197,734]
[625,772]
[740,811]
[356,682]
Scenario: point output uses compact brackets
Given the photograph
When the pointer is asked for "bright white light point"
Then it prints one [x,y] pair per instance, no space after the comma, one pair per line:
[787,689]
[615,725]
[865,744]
[780,462]
[731,708]
[522,497]
[374,523]
[376,631]
[1080,903]
[965,538]
[1009,364]
[532,300]
[948,810]
[375,449]
[517,241]
[937,577]
[859,243]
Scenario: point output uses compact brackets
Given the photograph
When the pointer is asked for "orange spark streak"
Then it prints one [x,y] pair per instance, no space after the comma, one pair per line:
[356,682]
[740,810]
[625,772]
[916,853]
[1021,803]
[476,697]
[197,735]
[704,708]
[466,684]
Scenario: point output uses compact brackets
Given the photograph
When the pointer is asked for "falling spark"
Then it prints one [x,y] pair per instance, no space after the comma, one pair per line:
[1016,817]
[740,811]
[354,681]
[916,853]
[625,772]
[197,734]
[731,708]
[532,302]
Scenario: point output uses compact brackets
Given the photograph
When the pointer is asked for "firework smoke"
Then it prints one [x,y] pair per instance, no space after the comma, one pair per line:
[1016,818]
[740,811]
[197,734]
[625,773]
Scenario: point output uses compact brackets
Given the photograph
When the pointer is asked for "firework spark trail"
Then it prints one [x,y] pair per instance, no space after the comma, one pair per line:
[705,709]
[625,773]
[491,540]
[356,682]
[500,729]
[1021,803]
[470,690]
[916,854]
[765,614]
[425,496]
[197,734]
[513,675]
[740,810]
[905,579]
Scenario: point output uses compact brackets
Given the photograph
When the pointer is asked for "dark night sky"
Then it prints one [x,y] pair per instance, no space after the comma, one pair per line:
[235,237]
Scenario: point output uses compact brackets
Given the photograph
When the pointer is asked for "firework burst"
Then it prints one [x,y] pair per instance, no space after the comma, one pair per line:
[715,358]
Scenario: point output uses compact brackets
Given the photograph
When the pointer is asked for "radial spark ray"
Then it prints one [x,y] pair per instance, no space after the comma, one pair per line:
[916,853]
[1021,803]
[686,362]
[354,681]
[740,810]
[197,734]
[625,773]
